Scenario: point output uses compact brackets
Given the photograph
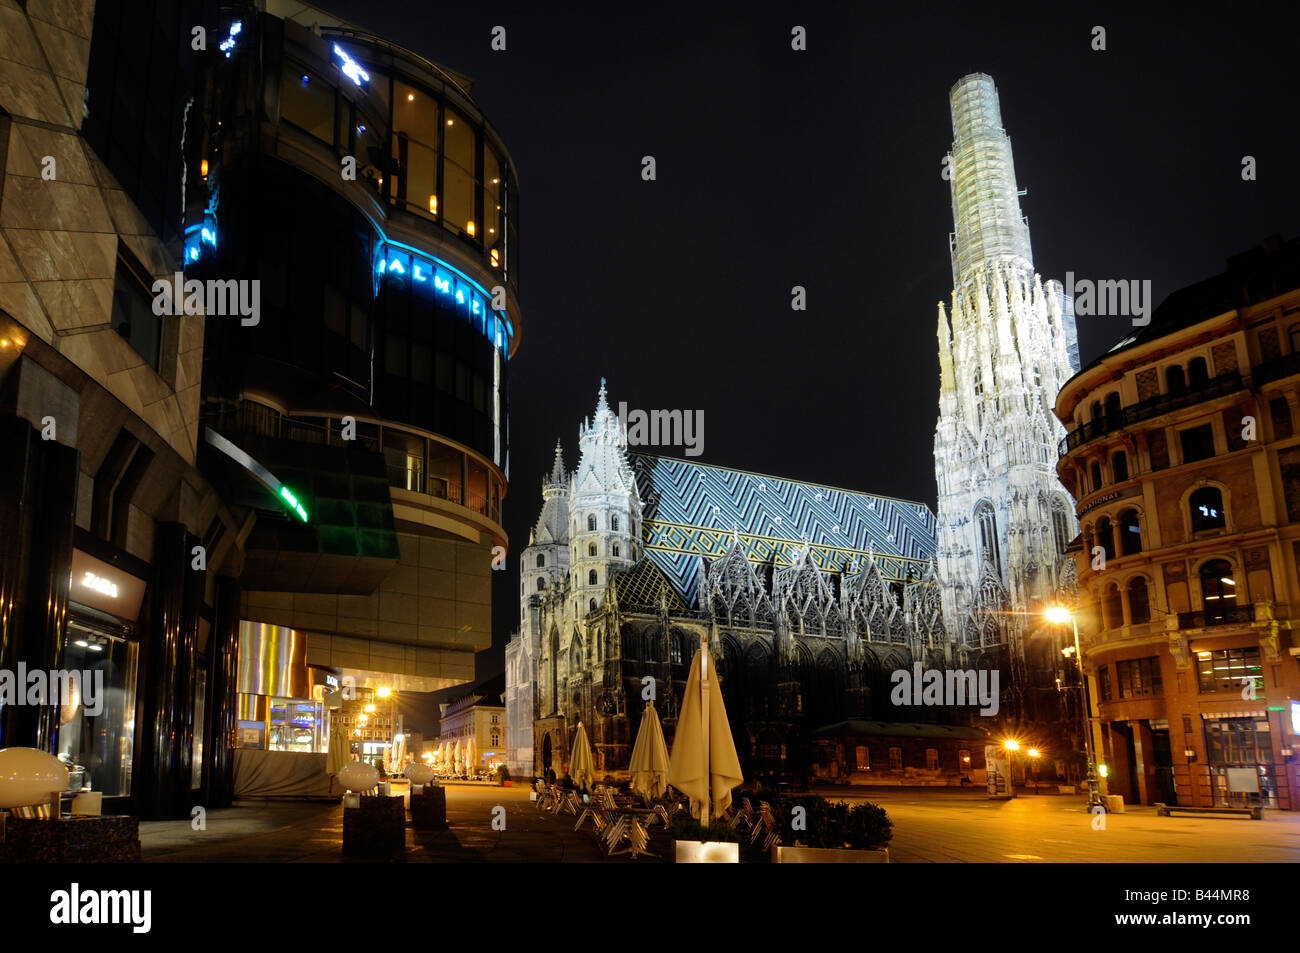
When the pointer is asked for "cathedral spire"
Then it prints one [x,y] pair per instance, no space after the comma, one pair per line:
[557,468]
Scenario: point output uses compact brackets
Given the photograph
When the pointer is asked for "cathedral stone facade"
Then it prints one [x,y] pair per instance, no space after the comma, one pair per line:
[1007,343]
[809,597]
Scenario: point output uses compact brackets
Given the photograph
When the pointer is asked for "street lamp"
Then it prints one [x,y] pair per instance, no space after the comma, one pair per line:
[1033,753]
[1012,747]
[1060,615]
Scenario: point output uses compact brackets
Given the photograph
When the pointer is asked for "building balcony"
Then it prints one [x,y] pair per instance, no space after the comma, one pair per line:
[1228,615]
[1153,407]
[1276,369]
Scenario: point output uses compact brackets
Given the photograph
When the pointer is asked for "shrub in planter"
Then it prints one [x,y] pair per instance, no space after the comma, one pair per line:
[688,828]
[868,827]
[503,773]
[827,824]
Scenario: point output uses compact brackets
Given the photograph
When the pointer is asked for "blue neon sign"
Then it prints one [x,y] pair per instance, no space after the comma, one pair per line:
[351,68]
[403,266]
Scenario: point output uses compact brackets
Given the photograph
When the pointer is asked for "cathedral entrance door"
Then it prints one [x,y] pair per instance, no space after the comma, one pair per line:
[546,752]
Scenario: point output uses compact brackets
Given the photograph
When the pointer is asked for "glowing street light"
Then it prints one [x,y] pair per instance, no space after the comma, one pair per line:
[1060,615]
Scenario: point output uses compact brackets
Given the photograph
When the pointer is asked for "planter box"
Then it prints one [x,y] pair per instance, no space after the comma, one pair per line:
[706,852]
[376,829]
[429,809]
[96,840]
[828,855]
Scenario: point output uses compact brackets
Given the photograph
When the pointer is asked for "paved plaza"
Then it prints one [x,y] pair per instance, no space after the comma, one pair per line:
[929,826]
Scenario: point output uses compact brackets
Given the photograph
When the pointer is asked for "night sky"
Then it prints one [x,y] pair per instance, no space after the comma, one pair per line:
[822,168]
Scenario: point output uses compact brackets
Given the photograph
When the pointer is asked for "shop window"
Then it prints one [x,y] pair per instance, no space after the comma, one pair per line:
[1206,505]
[1139,602]
[1119,466]
[1197,443]
[1218,589]
[1229,670]
[1280,411]
[98,747]
[895,759]
[1138,678]
[1130,532]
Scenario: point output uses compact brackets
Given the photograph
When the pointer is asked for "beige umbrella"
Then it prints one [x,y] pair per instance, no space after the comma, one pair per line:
[455,756]
[338,754]
[581,768]
[704,755]
[444,756]
[649,765]
[471,755]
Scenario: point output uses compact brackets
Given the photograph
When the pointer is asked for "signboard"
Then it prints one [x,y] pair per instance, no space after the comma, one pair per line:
[99,585]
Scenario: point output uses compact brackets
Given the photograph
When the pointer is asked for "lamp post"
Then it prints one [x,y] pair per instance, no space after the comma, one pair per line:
[1060,615]
[1033,754]
[1012,747]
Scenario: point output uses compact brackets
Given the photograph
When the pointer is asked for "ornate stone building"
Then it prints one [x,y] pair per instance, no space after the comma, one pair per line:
[1006,345]
[809,596]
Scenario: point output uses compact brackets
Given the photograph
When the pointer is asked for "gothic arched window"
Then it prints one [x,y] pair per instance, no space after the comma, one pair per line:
[988,528]
[591,604]
[1206,505]
[591,549]
[1060,526]
[591,523]
[541,584]
[613,523]
[616,549]
[591,578]
[541,560]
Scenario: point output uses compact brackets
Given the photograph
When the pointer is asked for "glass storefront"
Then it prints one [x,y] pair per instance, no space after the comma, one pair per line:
[1236,749]
[97,730]
[296,725]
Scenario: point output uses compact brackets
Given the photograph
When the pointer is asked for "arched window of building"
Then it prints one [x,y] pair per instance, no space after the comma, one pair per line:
[1294,332]
[591,549]
[1218,589]
[1094,475]
[591,523]
[1119,466]
[1060,526]
[675,649]
[541,560]
[1106,537]
[988,525]
[1037,377]
[591,604]
[541,584]
[1175,380]
[1130,530]
[1114,414]
[591,578]
[1112,609]
[616,550]
[613,523]
[1206,505]
[1139,605]
[1197,372]
[630,643]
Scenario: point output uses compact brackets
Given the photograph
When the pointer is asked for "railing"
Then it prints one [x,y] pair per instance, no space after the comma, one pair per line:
[1234,615]
[1228,383]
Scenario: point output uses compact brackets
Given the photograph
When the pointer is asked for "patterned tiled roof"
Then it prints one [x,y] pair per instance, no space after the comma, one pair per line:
[691,509]
[641,586]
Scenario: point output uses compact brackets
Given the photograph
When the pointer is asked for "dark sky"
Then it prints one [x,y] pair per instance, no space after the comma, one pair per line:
[822,169]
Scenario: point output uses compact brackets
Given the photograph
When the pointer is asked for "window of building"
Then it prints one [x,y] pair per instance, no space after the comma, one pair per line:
[105,741]
[1095,412]
[963,759]
[1094,475]
[1197,372]
[616,551]
[1229,670]
[1280,411]
[591,578]
[1175,380]
[1112,608]
[1218,589]
[1295,338]
[1139,603]
[895,759]
[591,523]
[541,560]
[987,520]
[591,549]
[1197,442]
[307,101]
[675,650]
[1130,532]
[133,316]
[1103,682]
[932,759]
[1106,537]
[862,758]
[1119,466]
[459,182]
[1060,527]
[613,523]
[1114,413]
[1138,678]
[1206,505]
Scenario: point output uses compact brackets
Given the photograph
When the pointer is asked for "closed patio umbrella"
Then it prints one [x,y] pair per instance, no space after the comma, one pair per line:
[455,756]
[581,768]
[471,756]
[704,759]
[649,765]
[338,754]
